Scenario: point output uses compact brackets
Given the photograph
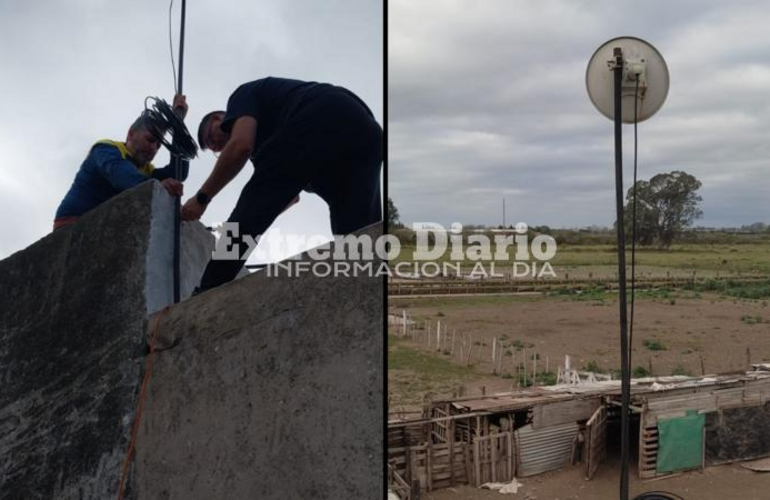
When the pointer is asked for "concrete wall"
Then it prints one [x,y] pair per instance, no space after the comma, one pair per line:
[271,387]
[73,319]
[273,390]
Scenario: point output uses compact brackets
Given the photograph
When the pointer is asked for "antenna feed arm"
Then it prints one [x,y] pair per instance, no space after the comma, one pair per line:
[635,73]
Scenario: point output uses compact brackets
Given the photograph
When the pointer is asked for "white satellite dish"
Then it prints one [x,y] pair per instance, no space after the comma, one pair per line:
[639,57]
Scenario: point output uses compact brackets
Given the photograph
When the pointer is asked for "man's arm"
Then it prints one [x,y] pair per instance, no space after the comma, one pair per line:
[231,161]
[120,173]
[233,157]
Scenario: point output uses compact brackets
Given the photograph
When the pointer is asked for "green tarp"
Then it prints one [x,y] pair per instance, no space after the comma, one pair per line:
[680,442]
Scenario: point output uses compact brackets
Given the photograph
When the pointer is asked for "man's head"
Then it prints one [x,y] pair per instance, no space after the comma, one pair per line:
[210,135]
[140,142]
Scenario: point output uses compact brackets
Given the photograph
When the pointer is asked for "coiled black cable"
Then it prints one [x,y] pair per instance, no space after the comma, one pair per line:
[160,119]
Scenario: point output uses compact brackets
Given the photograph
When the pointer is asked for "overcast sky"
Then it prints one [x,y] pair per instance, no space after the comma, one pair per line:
[78,71]
[487,100]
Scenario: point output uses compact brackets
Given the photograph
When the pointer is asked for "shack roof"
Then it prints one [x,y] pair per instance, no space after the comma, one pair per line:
[641,390]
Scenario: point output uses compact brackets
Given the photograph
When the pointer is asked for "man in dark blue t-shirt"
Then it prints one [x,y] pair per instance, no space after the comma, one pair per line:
[299,135]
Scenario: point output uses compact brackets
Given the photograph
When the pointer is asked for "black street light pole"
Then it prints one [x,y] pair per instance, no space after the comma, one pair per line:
[625,383]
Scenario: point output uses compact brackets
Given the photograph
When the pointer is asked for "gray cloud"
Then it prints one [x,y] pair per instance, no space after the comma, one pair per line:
[487,100]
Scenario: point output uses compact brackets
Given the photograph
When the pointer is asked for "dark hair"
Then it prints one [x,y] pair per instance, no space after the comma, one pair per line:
[202,127]
[140,123]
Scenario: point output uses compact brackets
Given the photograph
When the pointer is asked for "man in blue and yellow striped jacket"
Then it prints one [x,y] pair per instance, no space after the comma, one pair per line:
[112,167]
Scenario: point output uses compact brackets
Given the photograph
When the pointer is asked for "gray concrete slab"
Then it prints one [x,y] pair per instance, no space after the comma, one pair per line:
[195,252]
[272,390]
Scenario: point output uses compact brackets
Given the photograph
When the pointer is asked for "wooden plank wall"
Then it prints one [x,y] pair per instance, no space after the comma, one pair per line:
[745,394]
[749,393]
[396,437]
[596,442]
[494,458]
[440,430]
[443,465]
[564,412]
[398,485]
[648,448]
[435,465]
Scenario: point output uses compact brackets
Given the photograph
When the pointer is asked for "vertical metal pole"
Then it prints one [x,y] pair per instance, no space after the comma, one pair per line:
[181,48]
[177,232]
[178,171]
[624,368]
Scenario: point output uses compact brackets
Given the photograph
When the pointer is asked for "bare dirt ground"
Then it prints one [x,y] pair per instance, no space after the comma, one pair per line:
[685,330]
[726,482]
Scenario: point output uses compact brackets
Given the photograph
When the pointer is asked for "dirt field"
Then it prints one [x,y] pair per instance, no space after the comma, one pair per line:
[672,333]
[719,330]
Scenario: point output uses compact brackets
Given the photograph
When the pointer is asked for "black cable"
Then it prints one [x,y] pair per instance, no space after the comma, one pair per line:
[633,232]
[161,119]
[171,47]
[652,495]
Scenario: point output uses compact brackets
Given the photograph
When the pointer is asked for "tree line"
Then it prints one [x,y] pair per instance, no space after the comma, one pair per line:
[666,206]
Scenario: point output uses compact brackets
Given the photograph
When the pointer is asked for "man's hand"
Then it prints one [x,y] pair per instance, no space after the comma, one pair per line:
[173,186]
[180,106]
[192,210]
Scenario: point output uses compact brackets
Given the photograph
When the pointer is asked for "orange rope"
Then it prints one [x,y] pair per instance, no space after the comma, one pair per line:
[140,403]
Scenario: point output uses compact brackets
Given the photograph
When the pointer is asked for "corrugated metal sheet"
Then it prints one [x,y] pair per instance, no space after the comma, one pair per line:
[544,449]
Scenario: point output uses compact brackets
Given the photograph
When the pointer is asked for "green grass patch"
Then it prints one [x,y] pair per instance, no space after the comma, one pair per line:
[449,302]
[413,374]
[546,378]
[741,254]
[731,288]
[589,294]
[599,294]
[519,345]
[543,378]
[654,345]
[401,357]
[752,320]
[593,366]
[680,370]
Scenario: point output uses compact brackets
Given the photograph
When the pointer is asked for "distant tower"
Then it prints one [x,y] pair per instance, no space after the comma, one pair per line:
[503,213]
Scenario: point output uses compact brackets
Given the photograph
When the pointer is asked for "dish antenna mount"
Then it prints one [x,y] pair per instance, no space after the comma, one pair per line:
[636,60]
[627,80]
